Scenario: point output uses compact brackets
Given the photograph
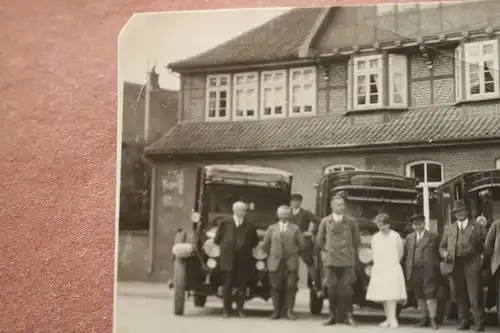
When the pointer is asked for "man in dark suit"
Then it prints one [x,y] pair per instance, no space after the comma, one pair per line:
[422,269]
[338,239]
[492,250]
[462,247]
[283,242]
[236,237]
[308,225]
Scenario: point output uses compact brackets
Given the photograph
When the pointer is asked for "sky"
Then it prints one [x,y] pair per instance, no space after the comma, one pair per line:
[160,38]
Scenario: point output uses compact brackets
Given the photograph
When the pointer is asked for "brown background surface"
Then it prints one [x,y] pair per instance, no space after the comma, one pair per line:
[58,157]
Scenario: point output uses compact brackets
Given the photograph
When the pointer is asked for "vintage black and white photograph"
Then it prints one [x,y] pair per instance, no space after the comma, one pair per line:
[310,169]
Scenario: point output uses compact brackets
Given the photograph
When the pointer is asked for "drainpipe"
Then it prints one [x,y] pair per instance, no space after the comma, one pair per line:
[152,196]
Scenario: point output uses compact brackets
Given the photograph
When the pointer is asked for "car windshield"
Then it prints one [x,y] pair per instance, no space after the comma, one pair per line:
[365,212]
[263,202]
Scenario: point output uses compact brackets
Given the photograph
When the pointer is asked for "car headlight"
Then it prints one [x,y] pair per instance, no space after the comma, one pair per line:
[365,255]
[260,265]
[211,232]
[368,270]
[211,249]
[211,263]
[195,217]
[259,253]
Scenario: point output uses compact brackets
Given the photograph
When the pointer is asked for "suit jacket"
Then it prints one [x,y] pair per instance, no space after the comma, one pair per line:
[338,241]
[430,253]
[492,246]
[476,235]
[225,238]
[283,247]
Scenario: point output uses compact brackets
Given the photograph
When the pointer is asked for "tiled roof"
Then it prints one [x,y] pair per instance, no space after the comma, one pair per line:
[278,39]
[326,132]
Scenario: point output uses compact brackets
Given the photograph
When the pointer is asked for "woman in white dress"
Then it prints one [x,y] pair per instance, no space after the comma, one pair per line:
[387,282]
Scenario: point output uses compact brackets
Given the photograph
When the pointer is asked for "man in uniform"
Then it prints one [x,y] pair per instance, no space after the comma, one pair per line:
[308,225]
[338,239]
[283,242]
[236,238]
[492,250]
[462,247]
[422,269]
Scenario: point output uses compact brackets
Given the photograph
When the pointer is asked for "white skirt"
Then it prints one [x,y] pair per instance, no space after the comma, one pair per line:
[387,283]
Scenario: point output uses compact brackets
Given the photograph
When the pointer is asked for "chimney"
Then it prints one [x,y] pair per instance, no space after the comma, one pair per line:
[154,79]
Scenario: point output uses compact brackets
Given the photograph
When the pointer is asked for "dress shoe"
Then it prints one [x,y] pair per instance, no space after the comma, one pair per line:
[290,315]
[349,320]
[464,326]
[241,314]
[330,321]
[433,324]
[275,315]
[479,328]
[423,323]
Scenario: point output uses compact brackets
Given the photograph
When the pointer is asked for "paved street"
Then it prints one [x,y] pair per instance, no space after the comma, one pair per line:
[148,309]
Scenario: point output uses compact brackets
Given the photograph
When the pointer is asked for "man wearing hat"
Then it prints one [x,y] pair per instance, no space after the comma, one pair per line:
[422,269]
[461,248]
[308,224]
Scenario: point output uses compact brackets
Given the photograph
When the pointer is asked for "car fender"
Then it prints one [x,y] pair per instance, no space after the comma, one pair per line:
[182,250]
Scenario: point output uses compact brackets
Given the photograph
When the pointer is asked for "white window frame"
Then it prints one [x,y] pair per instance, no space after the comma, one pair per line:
[428,5]
[217,89]
[247,85]
[398,64]
[458,74]
[425,185]
[273,84]
[367,72]
[469,59]
[338,168]
[385,9]
[301,83]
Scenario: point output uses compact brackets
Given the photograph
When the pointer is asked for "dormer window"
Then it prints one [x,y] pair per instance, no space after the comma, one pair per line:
[273,92]
[218,96]
[370,78]
[477,63]
[302,91]
[245,98]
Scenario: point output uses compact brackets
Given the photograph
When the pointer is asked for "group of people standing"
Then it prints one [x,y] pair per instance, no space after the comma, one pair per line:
[298,232]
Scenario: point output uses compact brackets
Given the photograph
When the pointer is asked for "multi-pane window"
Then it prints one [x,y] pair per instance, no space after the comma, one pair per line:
[302,91]
[481,69]
[398,80]
[273,94]
[388,9]
[218,88]
[368,81]
[338,168]
[245,96]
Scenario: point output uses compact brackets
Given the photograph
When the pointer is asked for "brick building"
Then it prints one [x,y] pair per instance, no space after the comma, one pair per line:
[407,89]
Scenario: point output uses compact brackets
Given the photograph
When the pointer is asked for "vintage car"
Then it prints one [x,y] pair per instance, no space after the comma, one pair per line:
[367,194]
[196,256]
[480,191]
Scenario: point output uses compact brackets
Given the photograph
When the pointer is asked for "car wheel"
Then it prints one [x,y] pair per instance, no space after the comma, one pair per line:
[179,286]
[199,300]
[315,302]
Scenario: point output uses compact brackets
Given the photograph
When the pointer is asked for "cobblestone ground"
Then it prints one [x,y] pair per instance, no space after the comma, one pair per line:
[152,312]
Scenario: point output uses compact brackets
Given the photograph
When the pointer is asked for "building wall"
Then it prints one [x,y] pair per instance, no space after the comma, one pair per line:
[176,183]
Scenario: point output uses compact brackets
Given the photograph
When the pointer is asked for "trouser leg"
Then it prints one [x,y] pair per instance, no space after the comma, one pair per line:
[228,291]
[240,284]
[331,282]
[275,294]
[461,295]
[475,295]
[497,294]
[345,292]
[290,294]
